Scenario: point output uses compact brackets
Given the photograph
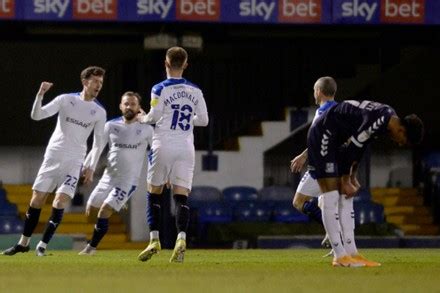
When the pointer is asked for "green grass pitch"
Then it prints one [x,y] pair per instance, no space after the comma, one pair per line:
[295,270]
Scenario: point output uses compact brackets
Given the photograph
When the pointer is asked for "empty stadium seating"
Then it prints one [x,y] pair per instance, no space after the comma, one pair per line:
[368,212]
[284,212]
[10,222]
[252,211]
[235,194]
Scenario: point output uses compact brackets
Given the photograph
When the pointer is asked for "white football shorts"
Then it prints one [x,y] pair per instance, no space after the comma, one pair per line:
[308,186]
[60,174]
[172,164]
[113,192]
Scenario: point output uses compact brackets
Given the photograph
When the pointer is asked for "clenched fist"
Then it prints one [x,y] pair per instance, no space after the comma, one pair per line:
[44,87]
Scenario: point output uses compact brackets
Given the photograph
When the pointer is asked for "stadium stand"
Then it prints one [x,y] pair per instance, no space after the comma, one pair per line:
[10,222]
[74,224]
[404,208]
[236,194]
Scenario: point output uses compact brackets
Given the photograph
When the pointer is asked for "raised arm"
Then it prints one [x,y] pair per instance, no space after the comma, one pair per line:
[39,112]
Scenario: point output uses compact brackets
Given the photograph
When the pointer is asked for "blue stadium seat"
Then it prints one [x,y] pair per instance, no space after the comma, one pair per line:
[18,226]
[377,214]
[10,225]
[252,212]
[215,212]
[235,194]
[2,196]
[8,209]
[368,212]
[276,193]
[431,160]
[201,194]
[362,195]
[284,212]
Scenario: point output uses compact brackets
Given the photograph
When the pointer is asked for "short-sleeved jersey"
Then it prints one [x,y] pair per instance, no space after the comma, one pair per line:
[76,120]
[359,121]
[127,148]
[177,100]
[327,105]
[356,122]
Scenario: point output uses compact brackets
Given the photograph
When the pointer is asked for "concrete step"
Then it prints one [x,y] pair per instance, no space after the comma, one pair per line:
[407,210]
[390,201]
[379,191]
[18,189]
[405,219]
[22,208]
[24,199]
[413,229]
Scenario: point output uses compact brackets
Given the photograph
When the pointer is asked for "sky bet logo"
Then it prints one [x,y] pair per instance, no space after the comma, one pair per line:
[198,10]
[154,7]
[81,9]
[7,8]
[402,11]
[359,9]
[55,7]
[257,8]
[301,11]
[95,9]
[387,11]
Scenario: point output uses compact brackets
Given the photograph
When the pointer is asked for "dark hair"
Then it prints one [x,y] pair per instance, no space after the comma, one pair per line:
[327,85]
[92,70]
[414,129]
[133,94]
[177,56]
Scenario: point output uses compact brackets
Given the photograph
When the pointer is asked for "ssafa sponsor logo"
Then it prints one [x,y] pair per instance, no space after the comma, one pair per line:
[7,8]
[95,9]
[257,8]
[160,8]
[301,11]
[402,11]
[198,10]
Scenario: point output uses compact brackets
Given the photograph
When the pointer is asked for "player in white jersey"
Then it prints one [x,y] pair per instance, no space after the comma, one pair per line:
[78,115]
[128,141]
[176,107]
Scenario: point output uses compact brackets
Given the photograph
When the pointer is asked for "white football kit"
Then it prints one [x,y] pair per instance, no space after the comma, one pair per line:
[127,150]
[309,186]
[176,107]
[68,144]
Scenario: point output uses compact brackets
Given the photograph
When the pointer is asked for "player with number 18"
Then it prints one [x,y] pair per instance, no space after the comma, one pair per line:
[177,106]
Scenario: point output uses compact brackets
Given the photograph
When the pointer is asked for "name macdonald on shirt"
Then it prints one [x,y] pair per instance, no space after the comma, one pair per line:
[77,122]
[181,95]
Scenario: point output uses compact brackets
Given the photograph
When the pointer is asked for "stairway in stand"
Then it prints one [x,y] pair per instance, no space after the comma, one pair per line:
[404,208]
[74,224]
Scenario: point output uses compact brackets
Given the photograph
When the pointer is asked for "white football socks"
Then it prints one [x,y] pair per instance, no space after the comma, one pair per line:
[24,241]
[42,244]
[181,235]
[330,218]
[346,219]
[154,235]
